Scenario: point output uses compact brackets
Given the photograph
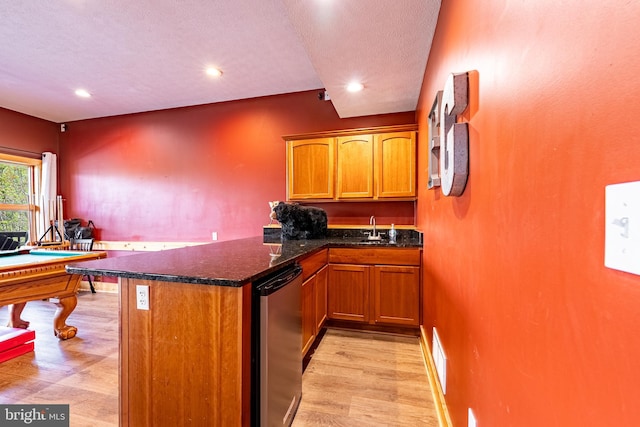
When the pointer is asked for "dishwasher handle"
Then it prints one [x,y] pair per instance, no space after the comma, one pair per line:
[278,280]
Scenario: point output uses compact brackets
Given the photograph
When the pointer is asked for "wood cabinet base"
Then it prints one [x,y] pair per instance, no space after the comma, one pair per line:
[186,360]
[376,286]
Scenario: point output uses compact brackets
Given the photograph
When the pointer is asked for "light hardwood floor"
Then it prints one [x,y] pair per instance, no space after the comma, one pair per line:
[353,379]
[366,379]
[81,372]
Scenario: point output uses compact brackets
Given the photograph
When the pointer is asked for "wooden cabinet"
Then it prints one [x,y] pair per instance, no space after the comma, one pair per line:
[364,164]
[396,292]
[314,297]
[395,165]
[321,297]
[375,286]
[308,316]
[349,292]
[355,167]
[310,169]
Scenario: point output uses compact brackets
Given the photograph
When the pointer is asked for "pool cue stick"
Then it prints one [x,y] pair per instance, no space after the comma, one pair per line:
[32,219]
[43,215]
[60,228]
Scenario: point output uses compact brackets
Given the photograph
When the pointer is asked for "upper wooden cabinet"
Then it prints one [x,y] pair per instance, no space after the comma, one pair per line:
[395,165]
[310,169]
[355,167]
[362,164]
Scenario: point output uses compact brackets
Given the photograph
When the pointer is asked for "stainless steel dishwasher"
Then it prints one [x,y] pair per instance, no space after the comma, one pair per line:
[277,348]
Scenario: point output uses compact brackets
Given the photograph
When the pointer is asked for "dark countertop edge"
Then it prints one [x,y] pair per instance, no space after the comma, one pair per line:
[317,245]
[77,269]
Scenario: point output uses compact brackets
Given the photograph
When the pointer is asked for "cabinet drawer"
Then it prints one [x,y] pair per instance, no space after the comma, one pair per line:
[313,263]
[373,256]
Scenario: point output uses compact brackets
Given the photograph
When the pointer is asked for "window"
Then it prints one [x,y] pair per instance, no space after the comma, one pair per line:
[19,183]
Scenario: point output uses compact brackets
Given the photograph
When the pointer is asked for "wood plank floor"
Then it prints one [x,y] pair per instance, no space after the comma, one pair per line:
[366,379]
[81,372]
[353,379]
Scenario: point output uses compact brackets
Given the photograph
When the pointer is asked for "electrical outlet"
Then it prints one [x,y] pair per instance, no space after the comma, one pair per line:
[471,419]
[142,297]
[214,235]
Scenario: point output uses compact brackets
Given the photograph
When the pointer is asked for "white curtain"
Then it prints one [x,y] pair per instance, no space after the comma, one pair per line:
[48,197]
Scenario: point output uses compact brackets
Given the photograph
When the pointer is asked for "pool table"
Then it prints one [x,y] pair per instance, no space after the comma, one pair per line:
[28,275]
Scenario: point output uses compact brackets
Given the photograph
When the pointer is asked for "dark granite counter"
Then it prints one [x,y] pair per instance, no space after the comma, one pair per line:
[227,263]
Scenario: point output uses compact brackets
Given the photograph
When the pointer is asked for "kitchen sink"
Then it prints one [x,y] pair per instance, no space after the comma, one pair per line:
[371,242]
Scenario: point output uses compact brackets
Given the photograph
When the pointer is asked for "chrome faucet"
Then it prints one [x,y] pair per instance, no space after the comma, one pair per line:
[374,235]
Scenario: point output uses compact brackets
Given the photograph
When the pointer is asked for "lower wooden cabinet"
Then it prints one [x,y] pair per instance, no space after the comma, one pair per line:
[320,287]
[308,317]
[374,286]
[396,295]
[349,292]
[314,297]
[377,293]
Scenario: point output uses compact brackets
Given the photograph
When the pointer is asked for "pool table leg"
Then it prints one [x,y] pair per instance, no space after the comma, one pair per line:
[60,327]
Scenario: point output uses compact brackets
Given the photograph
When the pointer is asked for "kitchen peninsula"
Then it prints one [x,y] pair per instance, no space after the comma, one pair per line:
[187,358]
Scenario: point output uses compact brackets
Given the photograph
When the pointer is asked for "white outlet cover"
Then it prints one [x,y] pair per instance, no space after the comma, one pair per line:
[622,227]
[142,297]
[471,419]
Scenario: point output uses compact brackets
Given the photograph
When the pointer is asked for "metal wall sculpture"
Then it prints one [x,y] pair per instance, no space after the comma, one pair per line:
[448,139]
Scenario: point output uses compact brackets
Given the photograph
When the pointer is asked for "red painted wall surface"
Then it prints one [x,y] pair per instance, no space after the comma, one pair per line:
[178,175]
[27,136]
[536,330]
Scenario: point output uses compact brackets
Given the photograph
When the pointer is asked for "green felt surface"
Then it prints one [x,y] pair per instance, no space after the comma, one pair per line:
[37,256]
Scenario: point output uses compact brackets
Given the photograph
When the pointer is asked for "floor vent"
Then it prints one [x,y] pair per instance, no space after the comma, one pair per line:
[440,360]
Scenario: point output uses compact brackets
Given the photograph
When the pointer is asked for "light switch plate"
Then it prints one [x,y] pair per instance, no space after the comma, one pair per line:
[622,227]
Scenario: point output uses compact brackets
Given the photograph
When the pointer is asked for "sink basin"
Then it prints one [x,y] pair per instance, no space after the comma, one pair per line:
[371,242]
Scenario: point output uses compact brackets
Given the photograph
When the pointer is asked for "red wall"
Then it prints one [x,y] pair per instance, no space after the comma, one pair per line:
[536,330]
[178,175]
[28,136]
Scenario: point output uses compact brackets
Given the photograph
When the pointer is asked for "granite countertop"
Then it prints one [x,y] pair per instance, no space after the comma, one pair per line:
[226,263]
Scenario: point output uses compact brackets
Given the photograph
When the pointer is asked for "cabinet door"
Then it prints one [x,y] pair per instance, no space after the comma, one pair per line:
[348,292]
[308,314]
[395,164]
[396,295]
[355,167]
[310,169]
[321,298]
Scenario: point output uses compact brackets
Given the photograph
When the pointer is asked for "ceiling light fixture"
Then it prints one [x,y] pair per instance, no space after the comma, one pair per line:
[214,72]
[82,93]
[355,87]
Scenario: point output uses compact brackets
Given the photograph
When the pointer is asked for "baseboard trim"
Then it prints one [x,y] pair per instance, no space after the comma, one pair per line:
[104,245]
[397,330]
[436,388]
[99,286]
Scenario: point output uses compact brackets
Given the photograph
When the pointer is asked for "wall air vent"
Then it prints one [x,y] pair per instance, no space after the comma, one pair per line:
[440,360]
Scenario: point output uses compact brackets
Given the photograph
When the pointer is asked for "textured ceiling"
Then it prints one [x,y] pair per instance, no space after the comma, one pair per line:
[144,55]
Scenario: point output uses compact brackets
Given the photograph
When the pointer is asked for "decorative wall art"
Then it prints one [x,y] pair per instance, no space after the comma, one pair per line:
[448,139]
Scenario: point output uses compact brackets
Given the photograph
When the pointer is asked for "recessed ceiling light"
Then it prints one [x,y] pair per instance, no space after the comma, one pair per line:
[83,93]
[214,72]
[355,87]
